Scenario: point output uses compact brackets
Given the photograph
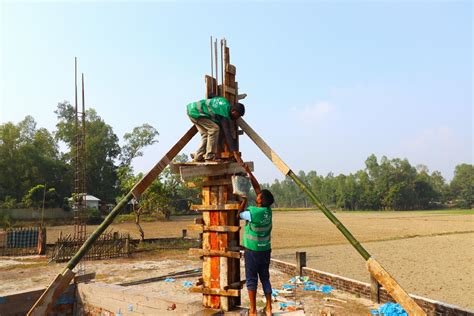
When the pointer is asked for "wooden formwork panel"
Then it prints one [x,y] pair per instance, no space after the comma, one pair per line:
[220,248]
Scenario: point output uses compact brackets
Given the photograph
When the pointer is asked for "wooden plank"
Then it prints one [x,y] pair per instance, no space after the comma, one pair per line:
[231,68]
[230,90]
[195,171]
[221,229]
[223,245]
[394,289]
[264,147]
[206,263]
[84,278]
[300,262]
[235,285]
[223,207]
[55,289]
[209,183]
[214,291]
[241,96]
[210,85]
[374,290]
[214,253]
[215,301]
[223,181]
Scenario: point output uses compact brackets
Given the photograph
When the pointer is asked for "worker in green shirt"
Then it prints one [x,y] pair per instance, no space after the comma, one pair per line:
[210,116]
[257,243]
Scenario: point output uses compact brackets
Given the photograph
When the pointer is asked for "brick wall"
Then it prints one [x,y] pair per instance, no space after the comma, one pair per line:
[362,289]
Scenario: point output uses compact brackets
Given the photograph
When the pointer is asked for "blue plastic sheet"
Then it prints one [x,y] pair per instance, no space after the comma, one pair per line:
[288,286]
[169,280]
[311,287]
[187,283]
[286,304]
[389,309]
[324,288]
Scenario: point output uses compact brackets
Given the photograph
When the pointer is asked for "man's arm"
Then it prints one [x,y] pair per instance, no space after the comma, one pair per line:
[242,206]
[253,180]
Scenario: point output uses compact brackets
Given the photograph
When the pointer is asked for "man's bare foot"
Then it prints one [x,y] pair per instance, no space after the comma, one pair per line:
[268,311]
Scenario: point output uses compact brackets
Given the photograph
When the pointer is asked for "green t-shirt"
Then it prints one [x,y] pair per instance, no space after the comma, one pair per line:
[213,109]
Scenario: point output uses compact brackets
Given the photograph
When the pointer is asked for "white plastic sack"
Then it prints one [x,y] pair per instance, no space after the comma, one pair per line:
[240,186]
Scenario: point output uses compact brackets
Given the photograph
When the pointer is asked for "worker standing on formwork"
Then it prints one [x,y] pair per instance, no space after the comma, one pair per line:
[209,116]
[257,243]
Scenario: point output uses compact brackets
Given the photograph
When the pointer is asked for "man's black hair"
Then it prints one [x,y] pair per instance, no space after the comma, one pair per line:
[239,107]
[267,198]
[212,95]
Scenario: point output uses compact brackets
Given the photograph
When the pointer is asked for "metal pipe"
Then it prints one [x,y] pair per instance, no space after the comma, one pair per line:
[217,72]
[83,146]
[212,62]
[222,68]
[75,84]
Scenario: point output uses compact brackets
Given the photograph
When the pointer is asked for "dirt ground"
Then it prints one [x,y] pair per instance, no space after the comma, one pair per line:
[155,264]
[431,254]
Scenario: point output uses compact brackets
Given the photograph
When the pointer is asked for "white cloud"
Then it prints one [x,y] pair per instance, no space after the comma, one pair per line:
[314,113]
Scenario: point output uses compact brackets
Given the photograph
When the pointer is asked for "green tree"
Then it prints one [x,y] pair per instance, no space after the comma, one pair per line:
[135,142]
[29,156]
[462,185]
[102,149]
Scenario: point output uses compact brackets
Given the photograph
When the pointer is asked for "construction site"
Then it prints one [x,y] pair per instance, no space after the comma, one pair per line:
[199,266]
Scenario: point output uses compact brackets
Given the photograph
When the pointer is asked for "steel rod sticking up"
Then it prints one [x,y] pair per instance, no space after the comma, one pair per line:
[217,70]
[222,69]
[212,61]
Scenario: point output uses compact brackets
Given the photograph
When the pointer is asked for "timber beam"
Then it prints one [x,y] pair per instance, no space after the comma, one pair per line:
[189,171]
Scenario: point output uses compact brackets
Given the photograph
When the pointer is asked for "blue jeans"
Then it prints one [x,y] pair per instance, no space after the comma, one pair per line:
[257,265]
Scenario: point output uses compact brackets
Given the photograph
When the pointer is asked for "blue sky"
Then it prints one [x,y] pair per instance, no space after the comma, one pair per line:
[328,83]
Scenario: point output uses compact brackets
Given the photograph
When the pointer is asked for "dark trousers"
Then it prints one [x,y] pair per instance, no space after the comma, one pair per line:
[257,265]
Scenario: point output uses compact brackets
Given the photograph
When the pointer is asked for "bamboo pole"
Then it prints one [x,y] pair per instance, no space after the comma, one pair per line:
[392,287]
[62,280]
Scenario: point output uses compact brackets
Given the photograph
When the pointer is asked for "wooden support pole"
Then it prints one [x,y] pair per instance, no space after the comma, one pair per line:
[300,262]
[374,290]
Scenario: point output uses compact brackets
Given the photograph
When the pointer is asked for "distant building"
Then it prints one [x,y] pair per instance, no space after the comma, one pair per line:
[91,201]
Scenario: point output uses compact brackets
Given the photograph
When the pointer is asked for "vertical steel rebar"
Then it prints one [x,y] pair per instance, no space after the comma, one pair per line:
[217,70]
[222,69]
[212,62]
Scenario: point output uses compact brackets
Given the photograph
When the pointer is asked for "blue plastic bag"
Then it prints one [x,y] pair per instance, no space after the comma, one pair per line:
[326,289]
[391,309]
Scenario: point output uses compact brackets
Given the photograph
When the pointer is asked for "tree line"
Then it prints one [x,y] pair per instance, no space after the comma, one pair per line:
[385,184]
[30,158]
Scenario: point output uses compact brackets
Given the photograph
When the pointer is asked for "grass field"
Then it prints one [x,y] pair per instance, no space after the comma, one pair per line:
[431,253]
